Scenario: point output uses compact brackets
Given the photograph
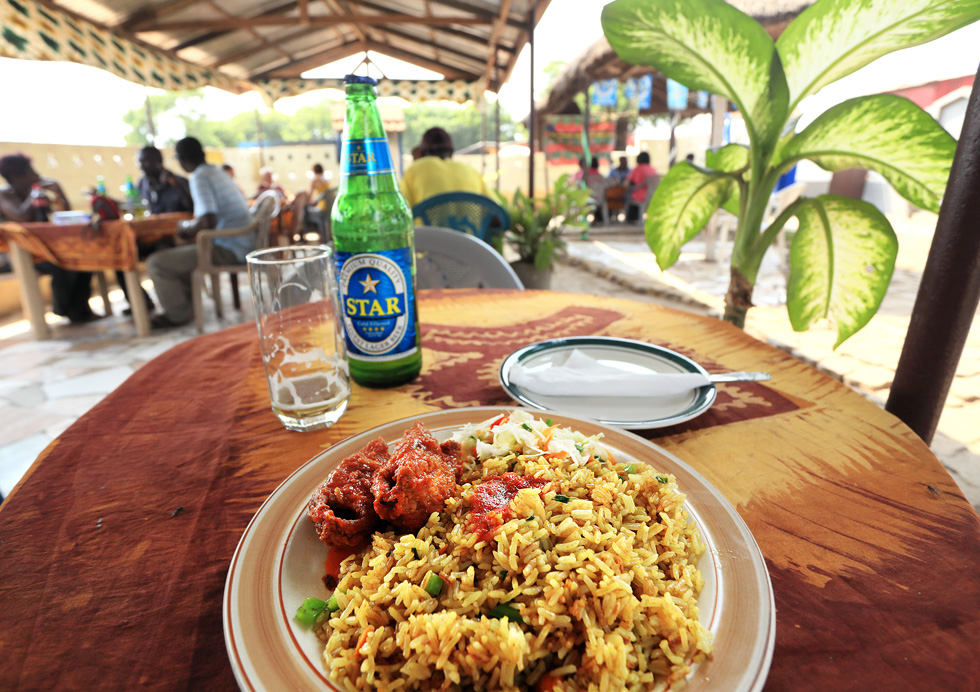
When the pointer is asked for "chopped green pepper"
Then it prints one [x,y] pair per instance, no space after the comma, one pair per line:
[662,479]
[502,610]
[549,422]
[332,605]
[415,553]
[527,427]
[310,610]
[630,468]
[579,448]
[562,498]
[434,585]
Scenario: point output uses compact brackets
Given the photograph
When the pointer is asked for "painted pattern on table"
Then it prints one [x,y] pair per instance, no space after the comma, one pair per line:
[463,362]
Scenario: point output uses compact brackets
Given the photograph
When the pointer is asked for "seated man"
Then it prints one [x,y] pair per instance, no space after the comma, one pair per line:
[638,186]
[435,173]
[598,184]
[70,290]
[267,182]
[165,193]
[621,173]
[217,204]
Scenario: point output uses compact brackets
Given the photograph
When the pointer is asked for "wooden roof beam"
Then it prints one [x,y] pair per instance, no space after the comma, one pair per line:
[498,28]
[447,51]
[323,57]
[341,8]
[254,34]
[479,11]
[251,50]
[230,24]
[133,22]
[450,31]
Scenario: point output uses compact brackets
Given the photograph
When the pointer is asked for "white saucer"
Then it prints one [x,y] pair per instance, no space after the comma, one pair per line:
[632,413]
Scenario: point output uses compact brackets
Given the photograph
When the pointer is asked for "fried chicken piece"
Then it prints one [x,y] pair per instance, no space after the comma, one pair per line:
[343,507]
[416,479]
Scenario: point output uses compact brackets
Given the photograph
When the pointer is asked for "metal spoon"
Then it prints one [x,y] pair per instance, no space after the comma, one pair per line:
[740,377]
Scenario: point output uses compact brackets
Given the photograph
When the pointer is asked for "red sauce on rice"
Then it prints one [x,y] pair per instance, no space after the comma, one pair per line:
[490,502]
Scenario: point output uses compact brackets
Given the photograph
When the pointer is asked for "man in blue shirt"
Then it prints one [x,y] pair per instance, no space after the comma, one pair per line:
[219,204]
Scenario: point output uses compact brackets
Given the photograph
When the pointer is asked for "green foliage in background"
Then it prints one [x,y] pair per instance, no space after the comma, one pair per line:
[184,113]
[536,225]
[463,123]
[843,254]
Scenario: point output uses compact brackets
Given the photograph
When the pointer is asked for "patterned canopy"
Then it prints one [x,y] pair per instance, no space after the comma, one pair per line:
[177,44]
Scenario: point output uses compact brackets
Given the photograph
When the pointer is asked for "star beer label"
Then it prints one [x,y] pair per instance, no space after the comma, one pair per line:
[378,315]
[365,157]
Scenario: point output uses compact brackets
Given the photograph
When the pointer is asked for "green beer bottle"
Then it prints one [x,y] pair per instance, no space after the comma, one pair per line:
[374,250]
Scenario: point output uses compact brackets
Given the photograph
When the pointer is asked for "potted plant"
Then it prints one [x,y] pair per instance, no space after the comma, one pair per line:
[536,226]
[843,253]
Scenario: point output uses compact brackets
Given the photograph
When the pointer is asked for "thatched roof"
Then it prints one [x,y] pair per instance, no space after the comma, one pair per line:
[599,61]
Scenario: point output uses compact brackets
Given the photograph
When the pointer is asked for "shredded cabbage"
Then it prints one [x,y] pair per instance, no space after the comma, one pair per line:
[522,433]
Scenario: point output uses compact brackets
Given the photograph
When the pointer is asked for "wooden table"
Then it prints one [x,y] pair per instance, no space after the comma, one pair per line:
[115,547]
[79,248]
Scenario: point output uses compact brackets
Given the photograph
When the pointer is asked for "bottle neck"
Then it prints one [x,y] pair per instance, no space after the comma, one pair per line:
[367,162]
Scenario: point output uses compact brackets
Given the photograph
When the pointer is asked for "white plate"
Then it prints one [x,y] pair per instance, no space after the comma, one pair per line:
[279,563]
[632,413]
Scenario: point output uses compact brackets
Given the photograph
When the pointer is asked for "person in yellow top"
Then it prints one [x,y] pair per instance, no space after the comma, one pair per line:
[318,185]
[435,173]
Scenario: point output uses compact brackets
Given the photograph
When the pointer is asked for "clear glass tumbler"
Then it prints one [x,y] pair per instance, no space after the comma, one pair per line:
[301,334]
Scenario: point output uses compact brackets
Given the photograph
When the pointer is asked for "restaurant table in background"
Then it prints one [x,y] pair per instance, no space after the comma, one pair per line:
[115,546]
[80,247]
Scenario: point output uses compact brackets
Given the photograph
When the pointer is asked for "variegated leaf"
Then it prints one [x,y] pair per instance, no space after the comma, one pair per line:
[841,261]
[684,201]
[833,38]
[709,45]
[885,133]
[729,159]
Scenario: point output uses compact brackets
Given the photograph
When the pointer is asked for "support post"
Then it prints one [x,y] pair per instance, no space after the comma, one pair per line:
[948,293]
[532,119]
[496,137]
[719,106]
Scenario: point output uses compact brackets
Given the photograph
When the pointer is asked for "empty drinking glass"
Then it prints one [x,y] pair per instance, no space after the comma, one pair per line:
[301,336]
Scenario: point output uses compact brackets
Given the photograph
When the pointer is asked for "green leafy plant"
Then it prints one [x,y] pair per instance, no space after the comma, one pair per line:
[536,225]
[843,253]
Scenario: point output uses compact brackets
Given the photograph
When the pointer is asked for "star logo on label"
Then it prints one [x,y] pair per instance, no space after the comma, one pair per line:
[370,285]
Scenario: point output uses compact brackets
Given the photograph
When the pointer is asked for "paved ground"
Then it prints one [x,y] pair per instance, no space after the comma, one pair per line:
[618,262]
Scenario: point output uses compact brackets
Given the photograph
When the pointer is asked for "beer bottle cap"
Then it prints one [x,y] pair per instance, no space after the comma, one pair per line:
[359,79]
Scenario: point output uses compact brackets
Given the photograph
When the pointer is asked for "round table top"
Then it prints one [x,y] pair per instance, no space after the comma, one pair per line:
[115,547]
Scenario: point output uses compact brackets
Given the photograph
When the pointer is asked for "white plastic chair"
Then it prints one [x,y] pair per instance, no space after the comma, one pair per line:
[451,259]
[261,213]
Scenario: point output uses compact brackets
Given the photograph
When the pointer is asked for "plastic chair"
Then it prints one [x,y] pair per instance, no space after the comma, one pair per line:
[262,213]
[317,219]
[446,258]
[650,185]
[297,225]
[470,213]
[598,186]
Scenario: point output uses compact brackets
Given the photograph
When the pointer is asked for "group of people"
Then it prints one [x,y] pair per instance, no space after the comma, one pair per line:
[209,193]
[631,183]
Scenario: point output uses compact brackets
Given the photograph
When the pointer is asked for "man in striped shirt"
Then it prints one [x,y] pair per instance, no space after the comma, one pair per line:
[218,203]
